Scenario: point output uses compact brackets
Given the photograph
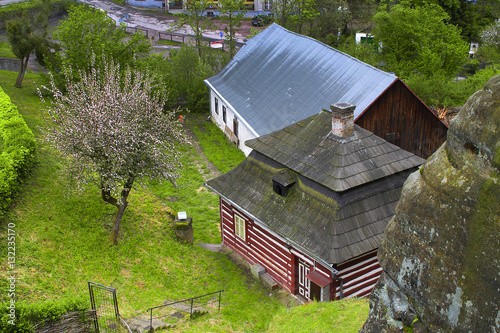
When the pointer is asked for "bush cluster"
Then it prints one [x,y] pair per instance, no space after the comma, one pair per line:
[27,315]
[17,150]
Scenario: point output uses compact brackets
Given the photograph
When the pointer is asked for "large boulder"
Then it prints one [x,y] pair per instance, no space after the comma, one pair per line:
[441,251]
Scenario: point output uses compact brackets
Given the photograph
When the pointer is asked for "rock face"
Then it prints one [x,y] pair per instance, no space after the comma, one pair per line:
[441,251]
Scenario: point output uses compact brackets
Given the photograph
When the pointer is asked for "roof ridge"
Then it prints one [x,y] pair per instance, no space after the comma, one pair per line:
[329,47]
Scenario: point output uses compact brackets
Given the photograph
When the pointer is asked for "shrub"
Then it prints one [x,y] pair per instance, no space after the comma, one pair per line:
[28,314]
[441,91]
[18,149]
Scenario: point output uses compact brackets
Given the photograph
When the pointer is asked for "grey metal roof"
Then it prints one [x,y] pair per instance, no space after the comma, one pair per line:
[280,77]
[345,193]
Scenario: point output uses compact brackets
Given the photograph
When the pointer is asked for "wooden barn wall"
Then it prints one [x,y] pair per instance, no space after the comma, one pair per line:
[398,110]
[358,275]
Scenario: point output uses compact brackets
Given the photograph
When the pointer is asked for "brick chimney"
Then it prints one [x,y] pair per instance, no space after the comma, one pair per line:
[342,118]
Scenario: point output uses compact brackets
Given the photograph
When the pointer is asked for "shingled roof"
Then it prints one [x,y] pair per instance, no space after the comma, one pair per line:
[279,77]
[345,193]
[338,163]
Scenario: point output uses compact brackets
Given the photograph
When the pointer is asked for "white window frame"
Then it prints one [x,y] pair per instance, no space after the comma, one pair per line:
[240,227]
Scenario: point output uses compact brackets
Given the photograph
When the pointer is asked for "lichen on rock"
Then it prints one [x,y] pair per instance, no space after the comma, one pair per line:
[441,251]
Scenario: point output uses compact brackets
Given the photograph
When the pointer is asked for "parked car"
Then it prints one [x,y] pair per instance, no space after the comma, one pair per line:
[260,20]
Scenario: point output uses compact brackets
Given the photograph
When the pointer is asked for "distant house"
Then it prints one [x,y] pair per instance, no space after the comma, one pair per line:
[279,78]
[253,5]
[364,37]
[147,3]
[311,202]
[474,46]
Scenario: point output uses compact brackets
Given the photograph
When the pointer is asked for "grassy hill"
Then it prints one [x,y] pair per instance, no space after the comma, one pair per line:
[63,240]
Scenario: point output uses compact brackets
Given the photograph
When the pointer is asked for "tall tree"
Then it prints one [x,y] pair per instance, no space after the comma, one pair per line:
[87,32]
[469,16]
[335,14]
[189,71]
[27,33]
[114,133]
[419,40]
[306,13]
[195,19]
[282,10]
[232,12]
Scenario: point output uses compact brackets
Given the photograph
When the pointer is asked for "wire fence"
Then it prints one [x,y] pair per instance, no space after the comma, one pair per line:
[103,300]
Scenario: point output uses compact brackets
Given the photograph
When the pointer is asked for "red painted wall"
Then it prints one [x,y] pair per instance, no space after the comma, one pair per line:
[359,275]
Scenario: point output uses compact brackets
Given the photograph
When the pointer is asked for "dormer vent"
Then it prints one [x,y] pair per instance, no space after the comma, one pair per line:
[283,181]
[342,119]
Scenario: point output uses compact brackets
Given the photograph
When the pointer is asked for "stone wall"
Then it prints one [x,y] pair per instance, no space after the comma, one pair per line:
[9,64]
[74,322]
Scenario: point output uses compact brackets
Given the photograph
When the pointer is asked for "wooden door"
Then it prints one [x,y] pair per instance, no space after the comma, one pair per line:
[315,292]
[304,283]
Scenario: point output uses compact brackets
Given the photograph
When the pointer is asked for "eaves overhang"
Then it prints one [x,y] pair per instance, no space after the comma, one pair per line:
[240,118]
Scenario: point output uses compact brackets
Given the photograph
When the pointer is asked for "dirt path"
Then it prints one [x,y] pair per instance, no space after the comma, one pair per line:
[198,120]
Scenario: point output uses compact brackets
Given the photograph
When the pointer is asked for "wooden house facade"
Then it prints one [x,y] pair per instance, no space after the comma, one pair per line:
[279,78]
[310,204]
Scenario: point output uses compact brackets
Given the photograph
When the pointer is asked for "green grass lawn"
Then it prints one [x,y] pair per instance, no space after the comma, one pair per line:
[346,316]
[5,50]
[63,240]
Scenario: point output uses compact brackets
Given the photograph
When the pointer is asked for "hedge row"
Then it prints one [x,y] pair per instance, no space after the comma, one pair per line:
[17,150]
[23,316]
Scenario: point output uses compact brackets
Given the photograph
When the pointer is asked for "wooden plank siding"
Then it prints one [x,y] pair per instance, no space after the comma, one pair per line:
[401,118]
[259,247]
[358,275]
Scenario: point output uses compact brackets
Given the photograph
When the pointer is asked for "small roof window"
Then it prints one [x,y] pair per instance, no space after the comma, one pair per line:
[283,181]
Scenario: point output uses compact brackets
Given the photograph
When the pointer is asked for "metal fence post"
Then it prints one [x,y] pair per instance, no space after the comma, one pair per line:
[151,321]
[220,292]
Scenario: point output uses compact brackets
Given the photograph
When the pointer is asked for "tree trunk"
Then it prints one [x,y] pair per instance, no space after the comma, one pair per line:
[122,205]
[22,70]
[118,220]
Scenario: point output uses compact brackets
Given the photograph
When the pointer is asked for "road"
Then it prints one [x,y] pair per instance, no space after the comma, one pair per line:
[135,17]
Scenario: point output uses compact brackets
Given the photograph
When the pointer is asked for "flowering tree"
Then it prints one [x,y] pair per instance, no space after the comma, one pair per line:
[114,133]
[491,35]
[489,51]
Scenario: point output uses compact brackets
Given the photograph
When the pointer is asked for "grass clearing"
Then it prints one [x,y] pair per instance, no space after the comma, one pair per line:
[347,316]
[64,241]
[6,50]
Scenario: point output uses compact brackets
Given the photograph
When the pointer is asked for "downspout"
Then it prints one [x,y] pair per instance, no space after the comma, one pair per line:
[341,286]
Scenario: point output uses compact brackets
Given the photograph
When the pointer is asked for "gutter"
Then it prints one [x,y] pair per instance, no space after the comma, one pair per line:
[287,241]
[336,278]
[231,108]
